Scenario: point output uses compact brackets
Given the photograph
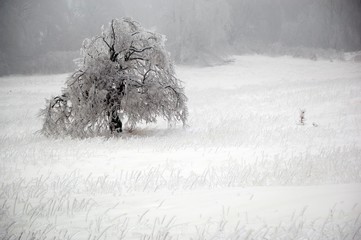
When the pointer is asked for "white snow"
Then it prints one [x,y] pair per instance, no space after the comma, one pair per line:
[244,168]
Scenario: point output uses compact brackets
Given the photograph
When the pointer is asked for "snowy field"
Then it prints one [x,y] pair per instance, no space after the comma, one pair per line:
[244,168]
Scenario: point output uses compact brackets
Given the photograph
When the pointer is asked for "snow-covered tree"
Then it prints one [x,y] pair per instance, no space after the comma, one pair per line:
[125,74]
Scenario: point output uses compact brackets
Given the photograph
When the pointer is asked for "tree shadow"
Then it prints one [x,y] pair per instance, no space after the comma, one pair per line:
[149,132]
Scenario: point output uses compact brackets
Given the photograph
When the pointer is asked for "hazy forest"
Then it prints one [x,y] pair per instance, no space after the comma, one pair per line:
[44,36]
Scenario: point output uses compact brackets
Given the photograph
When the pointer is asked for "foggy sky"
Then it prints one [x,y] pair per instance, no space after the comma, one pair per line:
[198,31]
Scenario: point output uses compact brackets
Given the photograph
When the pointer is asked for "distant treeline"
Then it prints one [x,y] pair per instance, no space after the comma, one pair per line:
[326,24]
[45,35]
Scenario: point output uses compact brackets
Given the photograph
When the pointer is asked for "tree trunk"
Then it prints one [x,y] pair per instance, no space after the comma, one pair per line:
[115,124]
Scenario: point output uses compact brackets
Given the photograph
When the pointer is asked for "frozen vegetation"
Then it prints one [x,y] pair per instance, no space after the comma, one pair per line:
[125,73]
[250,165]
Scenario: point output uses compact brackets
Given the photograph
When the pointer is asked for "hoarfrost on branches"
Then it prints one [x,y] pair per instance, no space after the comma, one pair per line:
[125,74]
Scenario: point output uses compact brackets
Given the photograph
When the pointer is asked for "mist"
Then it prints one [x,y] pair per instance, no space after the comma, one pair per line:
[44,36]
[180,119]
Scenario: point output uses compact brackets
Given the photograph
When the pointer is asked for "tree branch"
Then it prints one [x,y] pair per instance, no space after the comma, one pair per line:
[134,50]
[136,58]
[106,43]
[145,75]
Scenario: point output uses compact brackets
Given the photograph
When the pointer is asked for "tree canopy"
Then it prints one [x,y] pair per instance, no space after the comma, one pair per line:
[125,74]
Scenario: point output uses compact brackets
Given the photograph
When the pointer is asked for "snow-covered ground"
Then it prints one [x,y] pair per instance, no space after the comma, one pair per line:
[244,168]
